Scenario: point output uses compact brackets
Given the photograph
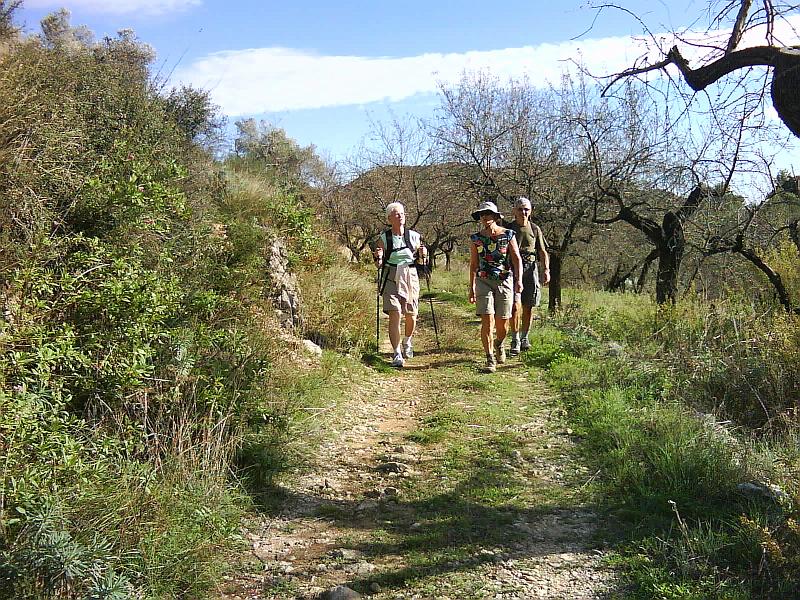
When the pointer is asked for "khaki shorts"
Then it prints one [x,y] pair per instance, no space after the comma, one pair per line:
[494,297]
[393,302]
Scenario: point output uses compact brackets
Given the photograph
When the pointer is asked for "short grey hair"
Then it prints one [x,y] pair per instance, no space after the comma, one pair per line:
[522,201]
[398,206]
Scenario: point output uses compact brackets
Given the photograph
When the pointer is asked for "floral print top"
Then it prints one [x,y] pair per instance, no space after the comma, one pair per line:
[494,261]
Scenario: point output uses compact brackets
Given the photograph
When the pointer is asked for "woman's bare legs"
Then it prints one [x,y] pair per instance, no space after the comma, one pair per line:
[486,333]
[411,324]
[501,328]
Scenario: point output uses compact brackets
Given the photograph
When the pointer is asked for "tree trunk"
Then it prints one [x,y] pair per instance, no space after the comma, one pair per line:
[554,293]
[794,233]
[670,255]
[615,281]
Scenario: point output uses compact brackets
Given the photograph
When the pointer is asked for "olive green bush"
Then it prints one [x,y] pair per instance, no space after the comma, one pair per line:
[134,350]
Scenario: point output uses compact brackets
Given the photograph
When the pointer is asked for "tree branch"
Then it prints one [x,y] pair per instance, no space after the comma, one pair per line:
[700,78]
[738,26]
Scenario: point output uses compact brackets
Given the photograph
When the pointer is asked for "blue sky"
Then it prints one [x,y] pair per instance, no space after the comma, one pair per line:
[323,69]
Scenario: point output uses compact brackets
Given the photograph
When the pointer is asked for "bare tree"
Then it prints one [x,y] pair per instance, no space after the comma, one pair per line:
[734,121]
[724,54]
[756,230]
[649,173]
[398,165]
[513,140]
[350,211]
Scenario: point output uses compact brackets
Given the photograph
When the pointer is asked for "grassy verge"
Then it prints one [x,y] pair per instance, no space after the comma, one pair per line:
[669,473]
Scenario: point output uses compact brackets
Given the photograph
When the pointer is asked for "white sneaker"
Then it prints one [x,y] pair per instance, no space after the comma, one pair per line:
[398,361]
[408,351]
[514,348]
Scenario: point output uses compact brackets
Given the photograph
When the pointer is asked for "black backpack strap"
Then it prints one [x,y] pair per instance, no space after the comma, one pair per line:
[387,242]
[390,248]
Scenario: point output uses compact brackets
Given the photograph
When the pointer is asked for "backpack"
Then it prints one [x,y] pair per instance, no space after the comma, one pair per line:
[388,237]
[422,268]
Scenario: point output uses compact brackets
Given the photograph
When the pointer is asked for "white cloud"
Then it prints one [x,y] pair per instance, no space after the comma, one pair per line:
[278,79]
[118,7]
[263,80]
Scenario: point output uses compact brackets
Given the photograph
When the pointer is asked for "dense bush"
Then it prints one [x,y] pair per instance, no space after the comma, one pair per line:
[135,340]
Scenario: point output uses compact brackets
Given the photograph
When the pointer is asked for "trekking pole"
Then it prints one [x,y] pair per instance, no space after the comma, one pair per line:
[430,300]
[378,312]
[383,275]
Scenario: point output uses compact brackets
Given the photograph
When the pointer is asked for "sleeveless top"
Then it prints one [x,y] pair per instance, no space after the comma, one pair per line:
[529,239]
[494,261]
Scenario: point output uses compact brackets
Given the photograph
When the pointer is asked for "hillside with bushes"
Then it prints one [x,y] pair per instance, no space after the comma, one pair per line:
[157,397]
[139,322]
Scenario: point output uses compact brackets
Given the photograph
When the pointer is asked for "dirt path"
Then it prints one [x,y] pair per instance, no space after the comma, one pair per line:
[435,482]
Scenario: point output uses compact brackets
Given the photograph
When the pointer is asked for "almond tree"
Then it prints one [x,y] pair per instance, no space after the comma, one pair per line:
[755,230]
[397,165]
[650,172]
[733,110]
[726,51]
[513,140]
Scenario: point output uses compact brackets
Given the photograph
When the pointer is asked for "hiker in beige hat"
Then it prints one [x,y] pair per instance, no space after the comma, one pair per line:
[495,270]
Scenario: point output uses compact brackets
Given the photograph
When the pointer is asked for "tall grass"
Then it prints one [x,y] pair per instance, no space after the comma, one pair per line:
[339,306]
[671,450]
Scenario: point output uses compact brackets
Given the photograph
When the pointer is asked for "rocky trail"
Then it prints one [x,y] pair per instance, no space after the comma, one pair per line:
[435,481]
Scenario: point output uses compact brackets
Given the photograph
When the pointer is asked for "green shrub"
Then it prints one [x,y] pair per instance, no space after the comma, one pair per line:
[547,347]
[670,473]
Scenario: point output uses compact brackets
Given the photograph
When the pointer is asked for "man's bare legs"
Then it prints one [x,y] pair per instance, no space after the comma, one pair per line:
[527,316]
[514,326]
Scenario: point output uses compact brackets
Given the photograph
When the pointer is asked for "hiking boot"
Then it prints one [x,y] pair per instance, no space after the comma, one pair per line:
[398,361]
[524,344]
[491,365]
[408,351]
[514,351]
[500,352]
